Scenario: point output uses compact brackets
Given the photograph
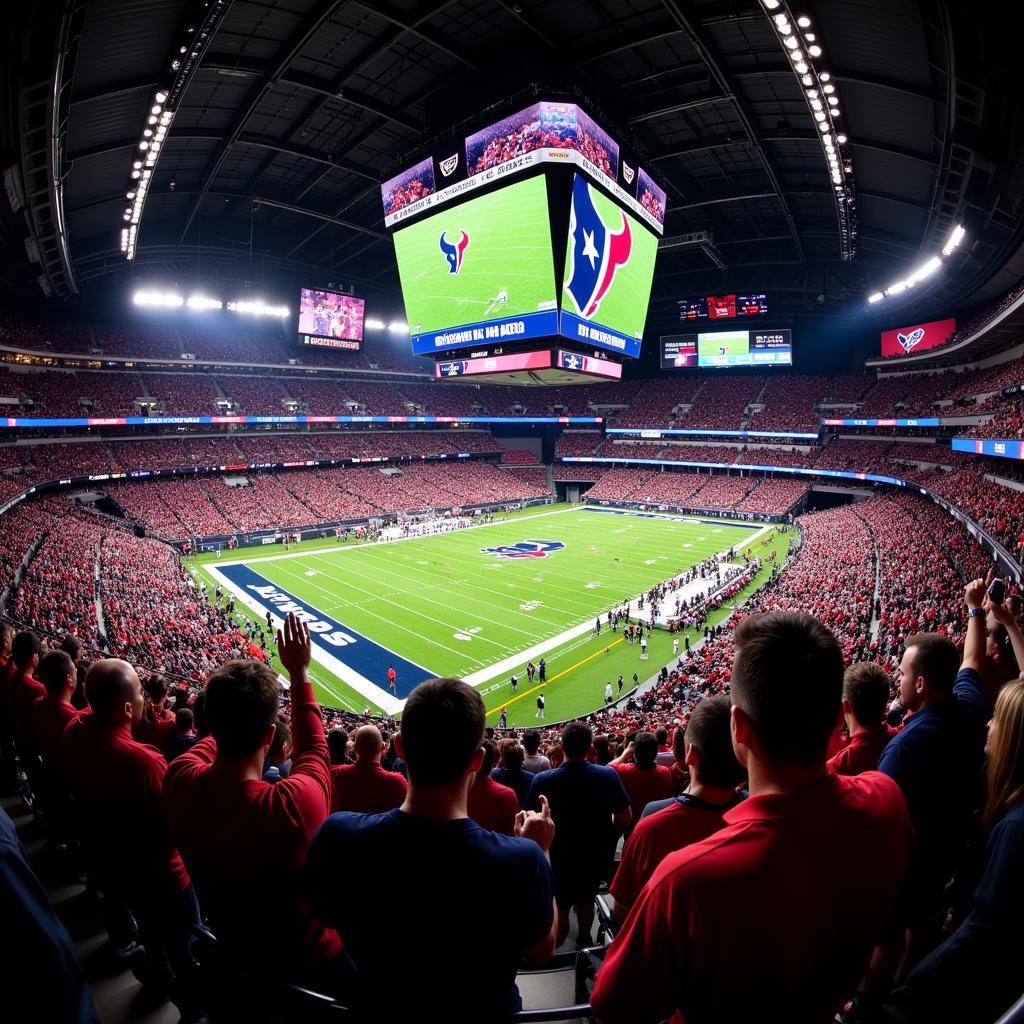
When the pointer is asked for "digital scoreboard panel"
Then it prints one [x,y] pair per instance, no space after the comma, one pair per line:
[717,349]
[330,320]
[722,307]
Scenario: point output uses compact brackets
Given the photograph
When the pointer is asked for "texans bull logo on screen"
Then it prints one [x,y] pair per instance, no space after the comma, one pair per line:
[908,341]
[597,251]
[454,251]
[525,549]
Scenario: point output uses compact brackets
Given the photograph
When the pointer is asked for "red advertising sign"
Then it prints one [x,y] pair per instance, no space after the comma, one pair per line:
[905,341]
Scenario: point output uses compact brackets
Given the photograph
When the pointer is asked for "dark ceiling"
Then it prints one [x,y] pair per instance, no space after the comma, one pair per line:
[297,110]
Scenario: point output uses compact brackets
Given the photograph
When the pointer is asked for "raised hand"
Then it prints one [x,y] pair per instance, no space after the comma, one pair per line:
[537,826]
[294,646]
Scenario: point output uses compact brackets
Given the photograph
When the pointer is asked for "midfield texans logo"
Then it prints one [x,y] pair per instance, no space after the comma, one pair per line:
[454,251]
[908,341]
[526,549]
[597,251]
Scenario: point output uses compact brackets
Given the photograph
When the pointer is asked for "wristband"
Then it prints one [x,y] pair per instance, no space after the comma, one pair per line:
[973,613]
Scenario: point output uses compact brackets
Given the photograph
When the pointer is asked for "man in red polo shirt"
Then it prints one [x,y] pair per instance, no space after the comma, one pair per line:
[52,713]
[643,779]
[798,885]
[671,825]
[244,839]
[117,782]
[865,698]
[22,688]
[366,787]
[491,805]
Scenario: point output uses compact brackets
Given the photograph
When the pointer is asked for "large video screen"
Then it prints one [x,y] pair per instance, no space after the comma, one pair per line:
[609,268]
[723,307]
[329,320]
[727,348]
[916,338]
[480,271]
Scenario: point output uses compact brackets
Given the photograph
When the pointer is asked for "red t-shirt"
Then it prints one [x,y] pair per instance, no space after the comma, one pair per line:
[118,784]
[493,806]
[643,786]
[154,732]
[656,836]
[790,897]
[836,742]
[863,751]
[245,843]
[366,787]
[50,717]
[22,692]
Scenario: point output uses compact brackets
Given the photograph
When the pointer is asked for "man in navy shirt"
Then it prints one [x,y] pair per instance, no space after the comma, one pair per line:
[936,760]
[586,799]
[437,867]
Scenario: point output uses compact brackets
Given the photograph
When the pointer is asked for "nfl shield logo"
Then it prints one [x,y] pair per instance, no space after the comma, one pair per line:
[448,166]
[627,173]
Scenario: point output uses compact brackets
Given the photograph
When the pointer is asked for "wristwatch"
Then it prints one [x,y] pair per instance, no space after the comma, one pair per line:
[973,613]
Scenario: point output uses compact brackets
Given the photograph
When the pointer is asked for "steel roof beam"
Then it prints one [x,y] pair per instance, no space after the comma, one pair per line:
[292,47]
[704,46]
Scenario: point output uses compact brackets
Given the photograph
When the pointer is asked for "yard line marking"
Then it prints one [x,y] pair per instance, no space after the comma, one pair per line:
[565,671]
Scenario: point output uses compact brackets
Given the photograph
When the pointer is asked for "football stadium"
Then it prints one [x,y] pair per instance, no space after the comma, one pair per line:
[511,512]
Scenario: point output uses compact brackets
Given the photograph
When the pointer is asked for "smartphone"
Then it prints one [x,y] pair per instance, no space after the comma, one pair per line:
[997,591]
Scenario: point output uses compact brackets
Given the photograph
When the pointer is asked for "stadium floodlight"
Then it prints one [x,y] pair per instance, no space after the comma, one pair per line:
[156,108]
[807,79]
[825,76]
[791,42]
[373,324]
[815,104]
[829,88]
[797,55]
[771,4]
[398,327]
[841,139]
[956,236]
[814,50]
[155,299]
[895,289]
[202,302]
[875,297]
[833,101]
[161,97]
[801,68]
[810,37]
[824,126]
[926,270]
[803,21]
[257,307]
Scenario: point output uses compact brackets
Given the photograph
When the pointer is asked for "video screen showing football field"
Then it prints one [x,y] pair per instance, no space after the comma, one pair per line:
[478,603]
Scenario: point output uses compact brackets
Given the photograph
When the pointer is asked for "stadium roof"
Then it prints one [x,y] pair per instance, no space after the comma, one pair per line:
[289,113]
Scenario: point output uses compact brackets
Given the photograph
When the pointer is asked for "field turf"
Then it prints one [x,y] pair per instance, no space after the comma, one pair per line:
[443,606]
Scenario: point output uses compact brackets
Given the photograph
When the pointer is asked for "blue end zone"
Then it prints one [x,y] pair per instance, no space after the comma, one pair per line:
[352,649]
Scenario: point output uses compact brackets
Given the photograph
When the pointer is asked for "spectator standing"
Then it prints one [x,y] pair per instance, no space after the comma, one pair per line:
[669,825]
[510,771]
[365,786]
[643,779]
[975,973]
[586,800]
[492,805]
[534,762]
[440,740]
[865,698]
[837,842]
[237,831]
[117,783]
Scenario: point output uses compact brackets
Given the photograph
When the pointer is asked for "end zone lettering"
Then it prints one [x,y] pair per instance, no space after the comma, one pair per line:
[283,604]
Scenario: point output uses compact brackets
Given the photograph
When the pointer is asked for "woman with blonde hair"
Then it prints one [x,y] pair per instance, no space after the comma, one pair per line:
[976,973]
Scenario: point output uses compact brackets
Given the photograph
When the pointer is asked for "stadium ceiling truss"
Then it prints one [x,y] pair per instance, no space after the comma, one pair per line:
[273,125]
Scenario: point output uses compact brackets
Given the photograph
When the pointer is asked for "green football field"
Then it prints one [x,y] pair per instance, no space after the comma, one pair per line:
[509,250]
[624,307]
[440,605]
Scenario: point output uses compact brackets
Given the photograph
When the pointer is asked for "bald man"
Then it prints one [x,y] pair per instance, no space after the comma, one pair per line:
[118,783]
[366,787]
